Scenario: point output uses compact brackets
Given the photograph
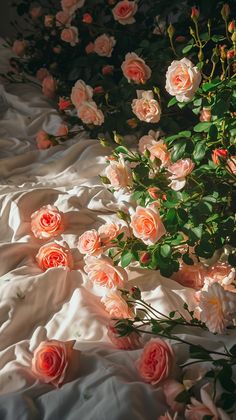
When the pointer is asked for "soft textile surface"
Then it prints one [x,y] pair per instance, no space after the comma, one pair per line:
[59,302]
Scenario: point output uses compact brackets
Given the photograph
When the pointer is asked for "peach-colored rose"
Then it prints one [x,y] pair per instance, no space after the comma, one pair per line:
[89,113]
[43,140]
[119,174]
[135,69]
[103,45]
[179,171]
[124,12]
[41,74]
[70,35]
[70,6]
[156,361]
[47,222]
[48,21]
[146,108]
[19,47]
[49,86]
[63,18]
[190,275]
[145,142]
[89,48]
[197,410]
[89,242]
[231,164]
[101,271]
[53,255]
[36,12]
[51,360]
[147,225]
[81,93]
[159,150]
[221,272]
[107,70]
[205,114]
[171,389]
[116,306]
[127,342]
[108,232]
[182,79]
[62,130]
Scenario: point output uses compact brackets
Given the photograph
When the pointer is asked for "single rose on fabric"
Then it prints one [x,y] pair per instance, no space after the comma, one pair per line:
[70,6]
[102,272]
[81,93]
[70,35]
[156,361]
[119,174]
[51,360]
[198,410]
[124,12]
[43,140]
[19,47]
[135,69]
[127,342]
[179,170]
[160,151]
[47,222]
[53,255]
[103,45]
[147,225]
[191,275]
[146,108]
[219,154]
[36,12]
[89,242]
[116,306]
[205,115]
[172,389]
[49,86]
[108,232]
[89,113]
[62,130]
[42,73]
[182,80]
[63,18]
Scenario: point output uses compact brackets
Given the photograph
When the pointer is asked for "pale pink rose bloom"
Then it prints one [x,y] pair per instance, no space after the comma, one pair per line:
[205,114]
[108,232]
[124,12]
[70,6]
[70,35]
[103,45]
[81,93]
[48,21]
[156,361]
[62,130]
[217,308]
[63,18]
[19,47]
[145,142]
[135,69]
[147,225]
[190,275]
[127,342]
[41,74]
[116,306]
[51,360]
[119,174]
[89,242]
[36,12]
[197,410]
[89,113]
[231,165]
[159,150]
[47,222]
[49,86]
[102,272]
[221,272]
[43,140]
[53,255]
[179,171]
[171,389]
[182,79]
[89,48]
[146,108]
[168,416]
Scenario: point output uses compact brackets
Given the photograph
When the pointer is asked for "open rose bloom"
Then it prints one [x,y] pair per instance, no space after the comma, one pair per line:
[51,360]
[89,113]
[147,225]
[53,255]
[70,35]
[124,12]
[103,45]
[43,140]
[146,108]
[135,69]
[119,174]
[81,93]
[182,79]
[116,305]
[47,222]
[89,242]
[179,170]
[102,272]
[127,342]
[70,6]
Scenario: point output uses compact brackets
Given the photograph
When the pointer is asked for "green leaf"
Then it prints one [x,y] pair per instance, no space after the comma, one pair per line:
[225,378]
[186,49]
[199,352]
[122,149]
[207,87]
[217,38]
[120,236]
[202,126]
[126,258]
[178,150]
[172,102]
[165,250]
[187,260]
[183,397]
[199,150]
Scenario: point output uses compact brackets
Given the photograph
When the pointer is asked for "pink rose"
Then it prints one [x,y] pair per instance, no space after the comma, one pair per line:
[171,389]
[81,93]
[145,142]
[48,21]
[43,140]
[190,275]
[89,113]
[197,410]
[89,48]
[135,69]
[156,361]
[179,171]
[119,174]
[127,342]
[89,242]
[116,306]
[103,45]
[182,79]
[47,222]
[231,164]
[147,225]
[49,86]
[41,74]
[63,18]
[124,12]
[70,35]
[101,271]
[36,12]
[107,70]
[159,150]
[205,114]
[51,361]
[108,232]
[19,47]
[70,6]
[62,130]
[146,108]
[53,255]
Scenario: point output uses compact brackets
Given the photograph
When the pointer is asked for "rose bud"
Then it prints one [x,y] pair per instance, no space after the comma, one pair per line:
[107,70]
[219,153]
[87,18]
[230,54]
[153,192]
[89,48]
[98,89]
[225,11]
[64,103]
[205,114]
[57,49]
[180,38]
[231,27]
[132,122]
[145,257]
[195,14]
